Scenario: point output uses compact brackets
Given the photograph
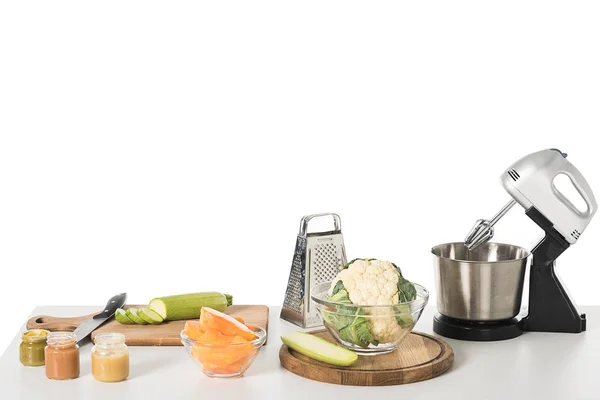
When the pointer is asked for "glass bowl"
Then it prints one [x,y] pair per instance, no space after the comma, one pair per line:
[368,330]
[224,360]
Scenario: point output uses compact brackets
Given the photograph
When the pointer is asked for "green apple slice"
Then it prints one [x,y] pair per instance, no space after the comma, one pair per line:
[150,316]
[132,313]
[121,317]
[319,349]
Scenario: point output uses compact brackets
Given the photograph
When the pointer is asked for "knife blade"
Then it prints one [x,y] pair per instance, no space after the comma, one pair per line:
[88,326]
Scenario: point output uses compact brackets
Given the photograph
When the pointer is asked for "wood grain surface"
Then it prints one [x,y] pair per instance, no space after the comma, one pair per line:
[165,334]
[419,357]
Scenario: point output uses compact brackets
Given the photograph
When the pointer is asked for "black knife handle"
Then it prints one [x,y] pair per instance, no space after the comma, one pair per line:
[111,307]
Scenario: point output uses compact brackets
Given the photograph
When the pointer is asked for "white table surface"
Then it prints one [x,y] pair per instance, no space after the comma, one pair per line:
[533,366]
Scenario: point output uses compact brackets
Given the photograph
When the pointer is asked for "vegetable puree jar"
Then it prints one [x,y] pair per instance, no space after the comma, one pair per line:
[31,350]
[110,358]
[62,356]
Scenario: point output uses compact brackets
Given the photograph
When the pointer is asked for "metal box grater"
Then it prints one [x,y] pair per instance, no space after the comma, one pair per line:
[318,258]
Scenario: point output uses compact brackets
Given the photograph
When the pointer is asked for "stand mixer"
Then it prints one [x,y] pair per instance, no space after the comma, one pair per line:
[480,283]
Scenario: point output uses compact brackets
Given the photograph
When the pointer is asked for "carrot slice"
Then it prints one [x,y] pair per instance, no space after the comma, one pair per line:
[213,336]
[193,330]
[221,369]
[223,356]
[237,339]
[227,325]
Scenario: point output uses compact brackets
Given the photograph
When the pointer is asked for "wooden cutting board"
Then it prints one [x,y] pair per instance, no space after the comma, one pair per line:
[165,334]
[418,357]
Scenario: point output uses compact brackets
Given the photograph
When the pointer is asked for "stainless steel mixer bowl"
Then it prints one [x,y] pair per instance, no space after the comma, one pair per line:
[484,284]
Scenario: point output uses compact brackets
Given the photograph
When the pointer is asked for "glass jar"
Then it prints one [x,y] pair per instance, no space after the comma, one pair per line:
[62,356]
[31,350]
[110,358]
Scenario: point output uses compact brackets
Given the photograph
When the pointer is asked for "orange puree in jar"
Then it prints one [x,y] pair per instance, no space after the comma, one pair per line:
[62,356]
[110,358]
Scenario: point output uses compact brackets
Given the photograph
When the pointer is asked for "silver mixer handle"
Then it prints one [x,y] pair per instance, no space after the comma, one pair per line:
[337,222]
[584,190]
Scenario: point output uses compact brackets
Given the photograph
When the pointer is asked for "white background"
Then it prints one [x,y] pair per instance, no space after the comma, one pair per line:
[168,147]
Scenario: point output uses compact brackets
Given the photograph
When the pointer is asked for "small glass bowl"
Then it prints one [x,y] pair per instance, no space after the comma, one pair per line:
[224,360]
[387,324]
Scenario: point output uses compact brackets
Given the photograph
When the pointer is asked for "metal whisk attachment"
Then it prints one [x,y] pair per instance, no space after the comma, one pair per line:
[484,229]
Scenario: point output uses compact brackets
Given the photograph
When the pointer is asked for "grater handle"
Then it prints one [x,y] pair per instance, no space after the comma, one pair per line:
[337,222]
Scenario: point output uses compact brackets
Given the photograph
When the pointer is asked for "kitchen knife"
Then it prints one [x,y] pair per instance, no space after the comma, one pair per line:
[88,325]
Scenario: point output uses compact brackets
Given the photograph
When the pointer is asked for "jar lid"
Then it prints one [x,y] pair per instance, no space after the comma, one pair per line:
[61,338]
[35,335]
[109,339]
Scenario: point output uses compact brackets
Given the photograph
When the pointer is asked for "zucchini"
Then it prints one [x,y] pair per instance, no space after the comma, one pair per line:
[132,313]
[149,316]
[121,316]
[187,306]
[319,349]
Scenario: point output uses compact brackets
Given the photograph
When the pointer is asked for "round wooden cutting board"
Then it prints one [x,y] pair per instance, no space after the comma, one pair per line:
[418,357]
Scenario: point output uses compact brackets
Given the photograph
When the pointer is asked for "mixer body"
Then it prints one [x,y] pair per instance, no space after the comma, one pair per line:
[531,182]
[480,284]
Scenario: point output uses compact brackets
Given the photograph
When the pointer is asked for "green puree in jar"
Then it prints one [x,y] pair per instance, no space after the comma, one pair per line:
[33,343]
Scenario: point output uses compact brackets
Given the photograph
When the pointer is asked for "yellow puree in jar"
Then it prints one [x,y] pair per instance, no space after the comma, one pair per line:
[113,368]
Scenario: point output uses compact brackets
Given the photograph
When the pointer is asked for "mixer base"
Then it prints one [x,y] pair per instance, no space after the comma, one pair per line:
[476,331]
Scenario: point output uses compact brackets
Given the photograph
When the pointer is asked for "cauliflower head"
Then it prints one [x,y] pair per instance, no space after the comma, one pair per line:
[370,282]
[376,283]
